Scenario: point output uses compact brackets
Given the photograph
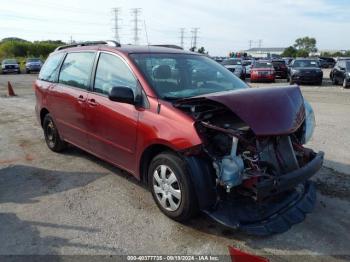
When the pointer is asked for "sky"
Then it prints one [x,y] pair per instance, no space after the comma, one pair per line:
[224,25]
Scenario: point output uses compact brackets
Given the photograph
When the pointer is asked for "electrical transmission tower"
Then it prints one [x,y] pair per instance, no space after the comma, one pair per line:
[182,36]
[194,32]
[116,27]
[136,12]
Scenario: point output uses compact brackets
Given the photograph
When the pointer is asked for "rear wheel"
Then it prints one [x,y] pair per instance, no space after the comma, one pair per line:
[171,186]
[345,83]
[52,136]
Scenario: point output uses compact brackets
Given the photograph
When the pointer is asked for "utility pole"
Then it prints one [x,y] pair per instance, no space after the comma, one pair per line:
[195,37]
[182,36]
[250,44]
[116,27]
[136,12]
[260,43]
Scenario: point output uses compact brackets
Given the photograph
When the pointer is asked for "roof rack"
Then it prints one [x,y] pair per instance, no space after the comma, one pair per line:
[169,46]
[89,43]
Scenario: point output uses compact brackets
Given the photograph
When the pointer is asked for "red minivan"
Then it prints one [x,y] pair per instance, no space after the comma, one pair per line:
[197,135]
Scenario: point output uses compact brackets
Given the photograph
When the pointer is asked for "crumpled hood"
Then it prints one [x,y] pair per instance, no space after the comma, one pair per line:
[268,111]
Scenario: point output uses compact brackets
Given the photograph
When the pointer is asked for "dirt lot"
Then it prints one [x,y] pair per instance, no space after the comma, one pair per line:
[73,203]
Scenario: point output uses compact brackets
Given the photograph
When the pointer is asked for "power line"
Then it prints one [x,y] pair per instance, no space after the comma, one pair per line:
[194,32]
[182,35]
[116,28]
[136,12]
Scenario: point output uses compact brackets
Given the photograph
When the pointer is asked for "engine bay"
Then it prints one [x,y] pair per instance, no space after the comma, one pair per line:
[241,160]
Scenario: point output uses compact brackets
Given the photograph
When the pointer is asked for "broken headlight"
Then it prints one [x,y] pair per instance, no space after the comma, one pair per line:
[309,122]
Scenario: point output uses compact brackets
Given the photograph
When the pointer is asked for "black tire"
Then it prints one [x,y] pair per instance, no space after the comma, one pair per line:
[334,81]
[52,137]
[188,205]
[27,71]
[345,83]
[291,82]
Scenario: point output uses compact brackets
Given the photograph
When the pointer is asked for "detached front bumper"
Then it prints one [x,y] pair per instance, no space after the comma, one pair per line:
[291,180]
[292,196]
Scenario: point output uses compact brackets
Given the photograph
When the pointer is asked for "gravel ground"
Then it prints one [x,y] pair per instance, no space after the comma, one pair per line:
[74,203]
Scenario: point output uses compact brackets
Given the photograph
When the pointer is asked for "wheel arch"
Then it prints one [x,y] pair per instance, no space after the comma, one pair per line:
[147,155]
[43,113]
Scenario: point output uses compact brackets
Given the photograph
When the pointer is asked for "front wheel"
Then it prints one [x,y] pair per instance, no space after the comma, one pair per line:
[52,137]
[345,83]
[171,187]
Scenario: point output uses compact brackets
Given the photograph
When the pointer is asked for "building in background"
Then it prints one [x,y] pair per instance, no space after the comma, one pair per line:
[265,52]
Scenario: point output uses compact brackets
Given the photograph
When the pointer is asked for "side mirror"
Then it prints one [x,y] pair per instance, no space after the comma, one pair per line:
[122,94]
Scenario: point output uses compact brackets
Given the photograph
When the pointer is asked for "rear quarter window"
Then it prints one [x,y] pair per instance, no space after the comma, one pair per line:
[49,71]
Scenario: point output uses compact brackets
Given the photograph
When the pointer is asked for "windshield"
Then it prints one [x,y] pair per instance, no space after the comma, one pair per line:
[232,62]
[347,64]
[10,61]
[247,63]
[262,64]
[305,63]
[279,63]
[177,76]
[33,60]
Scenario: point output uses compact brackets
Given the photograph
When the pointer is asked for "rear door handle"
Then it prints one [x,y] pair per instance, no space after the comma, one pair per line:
[81,98]
[92,102]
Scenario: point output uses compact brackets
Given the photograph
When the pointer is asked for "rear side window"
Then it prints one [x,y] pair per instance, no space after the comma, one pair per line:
[49,71]
[76,69]
[112,72]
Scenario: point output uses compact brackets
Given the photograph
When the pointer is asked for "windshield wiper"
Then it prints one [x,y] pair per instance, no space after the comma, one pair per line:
[171,98]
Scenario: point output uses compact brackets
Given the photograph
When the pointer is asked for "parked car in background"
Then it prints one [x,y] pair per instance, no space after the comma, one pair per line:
[202,142]
[10,66]
[248,66]
[340,74]
[305,70]
[288,60]
[235,65]
[262,71]
[281,69]
[33,65]
[327,62]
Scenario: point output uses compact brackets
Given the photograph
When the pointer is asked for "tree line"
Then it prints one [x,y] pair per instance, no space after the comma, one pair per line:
[16,47]
[304,46]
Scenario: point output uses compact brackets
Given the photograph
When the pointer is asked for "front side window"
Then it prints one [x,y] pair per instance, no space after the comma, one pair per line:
[76,69]
[113,72]
[176,76]
[50,69]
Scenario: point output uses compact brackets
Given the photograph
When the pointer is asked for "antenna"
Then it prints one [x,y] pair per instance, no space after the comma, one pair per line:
[136,12]
[116,27]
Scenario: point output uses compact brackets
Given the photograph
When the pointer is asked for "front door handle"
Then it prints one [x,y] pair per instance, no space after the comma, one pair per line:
[81,98]
[92,102]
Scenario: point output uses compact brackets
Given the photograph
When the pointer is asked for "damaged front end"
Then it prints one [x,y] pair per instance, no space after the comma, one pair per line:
[256,176]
